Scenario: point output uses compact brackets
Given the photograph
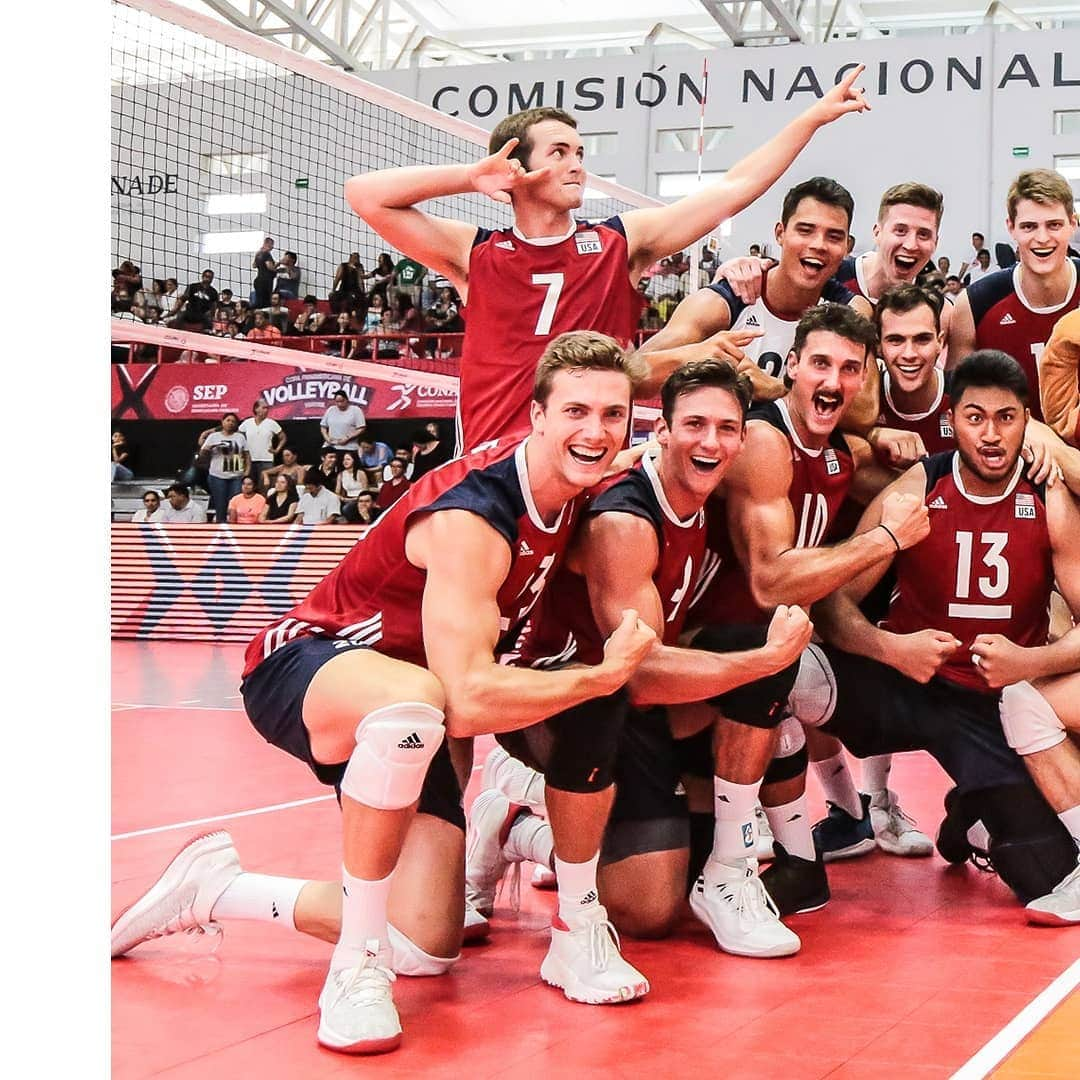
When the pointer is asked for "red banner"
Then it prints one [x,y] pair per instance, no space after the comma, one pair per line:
[197,391]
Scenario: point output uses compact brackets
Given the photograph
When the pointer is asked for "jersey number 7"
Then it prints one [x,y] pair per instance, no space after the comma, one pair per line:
[554,285]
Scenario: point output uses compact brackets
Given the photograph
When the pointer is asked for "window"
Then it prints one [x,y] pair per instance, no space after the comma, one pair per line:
[676,185]
[599,142]
[236,165]
[247,202]
[685,140]
[1067,122]
[226,243]
[1068,165]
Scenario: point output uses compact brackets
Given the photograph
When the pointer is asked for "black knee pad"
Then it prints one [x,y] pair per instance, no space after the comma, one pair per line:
[584,741]
[787,768]
[761,703]
[1030,848]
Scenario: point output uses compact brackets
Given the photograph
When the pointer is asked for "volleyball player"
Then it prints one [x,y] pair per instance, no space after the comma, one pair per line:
[548,273]
[399,640]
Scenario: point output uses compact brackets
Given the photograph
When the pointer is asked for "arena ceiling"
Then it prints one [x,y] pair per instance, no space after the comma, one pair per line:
[381,34]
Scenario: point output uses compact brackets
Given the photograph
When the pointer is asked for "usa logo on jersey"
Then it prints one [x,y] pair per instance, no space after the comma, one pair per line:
[1025,505]
[832,463]
[588,242]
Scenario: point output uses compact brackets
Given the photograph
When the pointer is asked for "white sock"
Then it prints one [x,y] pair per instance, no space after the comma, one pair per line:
[735,830]
[875,773]
[835,777]
[363,918]
[1071,820]
[261,897]
[578,896]
[790,826]
[530,840]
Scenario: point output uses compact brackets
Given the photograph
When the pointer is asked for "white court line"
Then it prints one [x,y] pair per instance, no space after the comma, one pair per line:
[1020,1025]
[192,701]
[221,817]
[186,708]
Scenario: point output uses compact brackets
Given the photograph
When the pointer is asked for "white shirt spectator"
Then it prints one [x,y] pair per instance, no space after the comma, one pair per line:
[140,516]
[192,514]
[315,509]
[975,271]
[260,437]
[227,462]
[339,422]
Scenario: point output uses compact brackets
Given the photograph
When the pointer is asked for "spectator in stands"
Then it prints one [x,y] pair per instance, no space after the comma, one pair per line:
[179,508]
[148,304]
[151,502]
[282,502]
[380,276]
[706,266]
[196,305]
[443,316]
[407,278]
[428,452]
[362,510]
[288,277]
[309,320]
[755,251]
[347,292]
[171,297]
[395,487]
[265,439]
[953,285]
[277,313]
[664,290]
[943,264]
[351,480]
[374,457]
[128,276]
[374,314]
[265,267]
[980,268]
[245,318]
[121,458]
[411,322]
[247,506]
[229,463]
[389,344]
[290,467]
[120,300]
[318,505]
[978,243]
[224,313]
[342,424]
[328,467]
[263,331]
[403,454]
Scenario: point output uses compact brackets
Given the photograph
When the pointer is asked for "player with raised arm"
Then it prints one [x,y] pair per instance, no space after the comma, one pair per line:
[548,273]
[393,648]
[977,586]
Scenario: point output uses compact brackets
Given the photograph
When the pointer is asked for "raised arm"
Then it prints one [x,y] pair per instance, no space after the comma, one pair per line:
[618,555]
[655,232]
[467,562]
[764,529]
[960,340]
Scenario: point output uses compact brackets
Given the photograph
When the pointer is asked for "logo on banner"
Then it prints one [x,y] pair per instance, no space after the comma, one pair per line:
[317,390]
[406,392]
[176,400]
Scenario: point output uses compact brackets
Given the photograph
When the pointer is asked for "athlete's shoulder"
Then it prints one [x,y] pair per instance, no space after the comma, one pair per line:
[937,467]
[631,493]
[989,290]
[726,293]
[614,224]
[836,292]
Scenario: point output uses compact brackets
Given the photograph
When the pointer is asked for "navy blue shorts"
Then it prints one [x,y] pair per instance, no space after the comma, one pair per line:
[274,699]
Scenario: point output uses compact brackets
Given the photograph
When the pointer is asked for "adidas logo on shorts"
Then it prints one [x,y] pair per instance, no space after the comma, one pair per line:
[411,742]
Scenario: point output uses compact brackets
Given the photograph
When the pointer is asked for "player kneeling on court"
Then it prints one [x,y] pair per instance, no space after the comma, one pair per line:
[397,645]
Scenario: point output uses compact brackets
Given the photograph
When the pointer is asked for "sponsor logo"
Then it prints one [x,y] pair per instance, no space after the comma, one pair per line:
[406,392]
[832,463]
[525,549]
[751,320]
[748,834]
[588,242]
[411,742]
[938,504]
[506,245]
[589,898]
[314,387]
[176,400]
[1007,320]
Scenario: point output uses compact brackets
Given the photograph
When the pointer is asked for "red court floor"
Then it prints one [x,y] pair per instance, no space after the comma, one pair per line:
[907,972]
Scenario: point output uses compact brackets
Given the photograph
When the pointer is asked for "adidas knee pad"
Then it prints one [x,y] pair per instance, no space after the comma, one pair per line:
[791,757]
[410,959]
[813,697]
[394,746]
[759,703]
[1029,722]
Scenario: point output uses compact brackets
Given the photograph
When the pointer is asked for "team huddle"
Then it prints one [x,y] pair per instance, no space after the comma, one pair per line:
[845,535]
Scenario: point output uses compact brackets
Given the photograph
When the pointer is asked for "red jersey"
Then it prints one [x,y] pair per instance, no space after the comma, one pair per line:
[523,293]
[850,274]
[564,628]
[934,425]
[985,568]
[820,480]
[373,595]
[1005,320]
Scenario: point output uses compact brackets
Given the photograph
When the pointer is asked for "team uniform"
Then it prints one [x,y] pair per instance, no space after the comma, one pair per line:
[522,294]
[934,426]
[852,276]
[770,351]
[1005,320]
[372,600]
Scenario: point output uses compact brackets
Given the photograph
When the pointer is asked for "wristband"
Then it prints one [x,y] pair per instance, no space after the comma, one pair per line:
[892,536]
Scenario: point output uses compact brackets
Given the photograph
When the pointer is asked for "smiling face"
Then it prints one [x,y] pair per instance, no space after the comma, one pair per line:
[813,243]
[1041,232]
[582,425]
[557,146]
[705,435]
[989,423]
[906,237]
[910,344]
[826,376]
